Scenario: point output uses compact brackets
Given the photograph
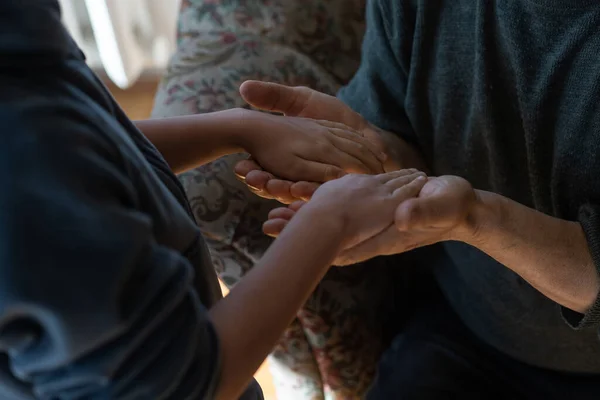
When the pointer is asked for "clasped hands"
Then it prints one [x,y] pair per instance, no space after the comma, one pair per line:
[426,210]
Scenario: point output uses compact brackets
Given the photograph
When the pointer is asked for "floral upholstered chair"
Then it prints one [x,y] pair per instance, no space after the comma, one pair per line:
[331,349]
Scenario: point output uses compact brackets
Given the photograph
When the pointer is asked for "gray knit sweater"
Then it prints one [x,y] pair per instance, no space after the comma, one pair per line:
[507,95]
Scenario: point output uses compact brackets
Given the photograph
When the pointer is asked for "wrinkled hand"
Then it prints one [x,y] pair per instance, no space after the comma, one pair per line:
[363,206]
[296,102]
[439,213]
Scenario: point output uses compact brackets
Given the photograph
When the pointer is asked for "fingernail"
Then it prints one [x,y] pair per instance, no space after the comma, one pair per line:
[421,178]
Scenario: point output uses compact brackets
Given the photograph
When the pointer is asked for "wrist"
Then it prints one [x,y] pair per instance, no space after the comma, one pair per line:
[247,126]
[242,126]
[326,218]
[484,215]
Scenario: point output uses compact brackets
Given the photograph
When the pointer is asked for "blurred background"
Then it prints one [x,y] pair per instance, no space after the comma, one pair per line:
[128,43]
[124,39]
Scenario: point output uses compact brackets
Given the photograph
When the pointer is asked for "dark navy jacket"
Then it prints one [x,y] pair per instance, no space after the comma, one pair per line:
[105,280]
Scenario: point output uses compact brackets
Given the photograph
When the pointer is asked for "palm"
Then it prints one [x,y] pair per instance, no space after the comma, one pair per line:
[438,214]
[452,197]
[294,102]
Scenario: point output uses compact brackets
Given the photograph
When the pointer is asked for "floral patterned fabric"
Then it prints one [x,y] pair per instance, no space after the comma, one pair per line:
[331,349]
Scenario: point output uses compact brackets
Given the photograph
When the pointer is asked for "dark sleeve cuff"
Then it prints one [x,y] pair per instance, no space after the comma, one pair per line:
[589,217]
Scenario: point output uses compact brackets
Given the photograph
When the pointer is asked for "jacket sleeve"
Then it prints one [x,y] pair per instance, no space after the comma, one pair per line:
[91,306]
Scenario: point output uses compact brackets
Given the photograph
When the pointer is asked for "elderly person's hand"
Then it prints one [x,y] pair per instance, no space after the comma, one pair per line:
[308,103]
[440,212]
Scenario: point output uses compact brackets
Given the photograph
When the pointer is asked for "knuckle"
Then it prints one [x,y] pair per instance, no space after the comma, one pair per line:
[326,124]
[362,149]
[344,130]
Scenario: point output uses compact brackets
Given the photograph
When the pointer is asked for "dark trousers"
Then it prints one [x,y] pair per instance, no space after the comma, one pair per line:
[436,357]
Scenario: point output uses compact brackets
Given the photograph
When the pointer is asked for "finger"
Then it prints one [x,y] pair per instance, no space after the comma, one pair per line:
[261,193]
[410,189]
[397,183]
[258,179]
[384,178]
[279,217]
[359,151]
[324,153]
[282,213]
[242,168]
[297,205]
[279,189]
[304,190]
[348,133]
[314,171]
[344,161]
[339,125]
[273,227]
[275,97]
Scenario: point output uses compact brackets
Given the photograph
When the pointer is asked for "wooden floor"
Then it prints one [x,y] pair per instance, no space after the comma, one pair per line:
[137,103]
[138,100]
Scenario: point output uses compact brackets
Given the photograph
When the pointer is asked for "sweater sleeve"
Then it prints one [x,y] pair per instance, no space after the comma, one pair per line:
[91,305]
[378,90]
[589,218]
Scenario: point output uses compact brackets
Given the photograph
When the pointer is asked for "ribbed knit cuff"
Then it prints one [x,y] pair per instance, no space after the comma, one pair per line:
[589,217]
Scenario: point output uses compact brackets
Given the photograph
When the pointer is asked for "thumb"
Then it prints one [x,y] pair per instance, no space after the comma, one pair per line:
[274,97]
[425,213]
[273,227]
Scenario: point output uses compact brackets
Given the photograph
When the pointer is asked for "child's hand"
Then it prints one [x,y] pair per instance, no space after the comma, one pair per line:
[301,149]
[366,204]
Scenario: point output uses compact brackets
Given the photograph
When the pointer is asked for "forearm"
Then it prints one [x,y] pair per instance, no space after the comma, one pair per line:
[252,318]
[189,141]
[549,253]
